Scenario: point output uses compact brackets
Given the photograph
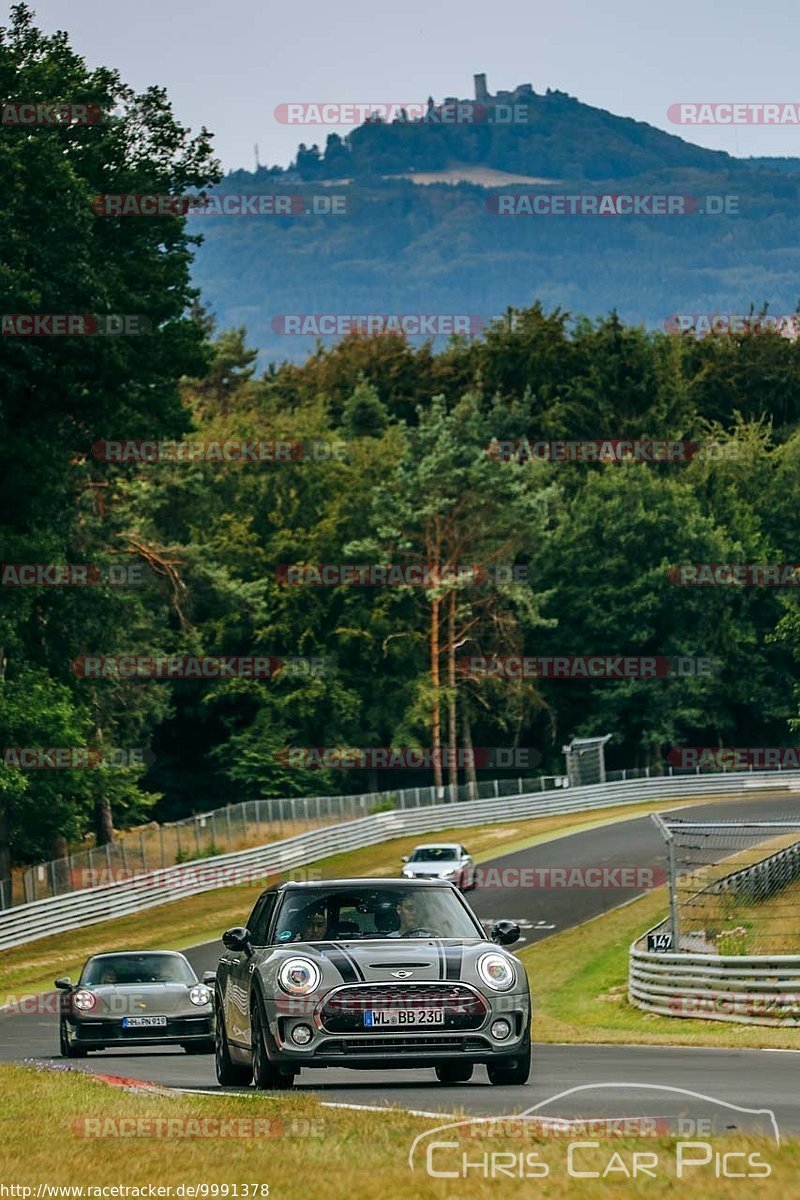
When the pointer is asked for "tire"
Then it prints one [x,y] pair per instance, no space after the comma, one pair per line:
[502,1074]
[68,1051]
[455,1072]
[229,1073]
[267,1077]
[207,1047]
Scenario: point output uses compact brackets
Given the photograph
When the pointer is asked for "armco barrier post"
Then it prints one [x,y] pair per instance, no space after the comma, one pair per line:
[673,895]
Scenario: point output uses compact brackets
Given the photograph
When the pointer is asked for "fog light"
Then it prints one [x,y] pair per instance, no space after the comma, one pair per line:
[301,1034]
[500,1029]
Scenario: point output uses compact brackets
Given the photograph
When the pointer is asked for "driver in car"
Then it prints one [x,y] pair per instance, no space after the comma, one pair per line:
[411,915]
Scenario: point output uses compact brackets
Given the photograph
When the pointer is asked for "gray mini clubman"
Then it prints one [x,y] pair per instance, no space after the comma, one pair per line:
[369,973]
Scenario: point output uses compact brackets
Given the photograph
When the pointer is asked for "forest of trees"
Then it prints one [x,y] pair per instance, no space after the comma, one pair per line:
[405,476]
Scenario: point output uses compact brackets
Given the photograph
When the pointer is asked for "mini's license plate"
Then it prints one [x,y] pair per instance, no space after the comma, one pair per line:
[142,1022]
[375,1017]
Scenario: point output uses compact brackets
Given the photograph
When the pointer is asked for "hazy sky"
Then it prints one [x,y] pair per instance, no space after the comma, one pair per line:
[227,65]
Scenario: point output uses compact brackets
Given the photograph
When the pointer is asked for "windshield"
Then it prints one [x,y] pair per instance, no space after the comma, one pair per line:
[371,912]
[138,968]
[434,854]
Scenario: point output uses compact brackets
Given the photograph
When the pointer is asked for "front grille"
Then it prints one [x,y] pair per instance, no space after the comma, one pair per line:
[343,1011]
[402,1045]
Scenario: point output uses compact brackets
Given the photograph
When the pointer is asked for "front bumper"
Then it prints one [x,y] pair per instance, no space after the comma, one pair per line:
[469,1038]
[98,1033]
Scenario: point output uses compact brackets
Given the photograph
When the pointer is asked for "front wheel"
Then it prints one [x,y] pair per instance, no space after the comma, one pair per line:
[266,1075]
[68,1051]
[454,1072]
[229,1073]
[511,1072]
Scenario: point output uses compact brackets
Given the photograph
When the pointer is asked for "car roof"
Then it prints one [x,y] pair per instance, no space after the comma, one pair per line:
[136,953]
[438,846]
[364,882]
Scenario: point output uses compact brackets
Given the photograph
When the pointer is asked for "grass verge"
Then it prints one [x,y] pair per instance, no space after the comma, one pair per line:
[306,1149]
[31,968]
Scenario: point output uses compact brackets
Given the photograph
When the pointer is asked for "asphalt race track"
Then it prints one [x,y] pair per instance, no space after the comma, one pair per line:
[755,1079]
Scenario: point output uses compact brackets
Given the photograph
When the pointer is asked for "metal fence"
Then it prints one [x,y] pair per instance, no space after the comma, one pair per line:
[734,886]
[728,949]
[88,906]
[234,827]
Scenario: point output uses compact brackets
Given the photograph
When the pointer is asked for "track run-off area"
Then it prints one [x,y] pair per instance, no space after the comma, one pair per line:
[611,1077]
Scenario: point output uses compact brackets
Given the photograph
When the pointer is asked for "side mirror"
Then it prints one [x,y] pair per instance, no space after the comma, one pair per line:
[404,858]
[237,939]
[505,933]
[209,978]
[64,984]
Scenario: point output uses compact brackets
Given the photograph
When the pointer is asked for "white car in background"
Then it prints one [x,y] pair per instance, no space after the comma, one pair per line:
[441,860]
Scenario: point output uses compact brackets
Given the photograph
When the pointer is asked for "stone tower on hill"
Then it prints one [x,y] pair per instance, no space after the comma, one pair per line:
[521,93]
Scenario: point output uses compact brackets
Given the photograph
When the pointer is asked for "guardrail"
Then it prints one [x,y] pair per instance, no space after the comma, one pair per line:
[751,989]
[41,918]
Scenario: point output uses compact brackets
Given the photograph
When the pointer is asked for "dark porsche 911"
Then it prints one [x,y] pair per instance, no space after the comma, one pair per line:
[369,974]
[136,998]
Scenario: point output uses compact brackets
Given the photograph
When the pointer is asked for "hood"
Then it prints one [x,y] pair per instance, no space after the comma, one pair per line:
[395,960]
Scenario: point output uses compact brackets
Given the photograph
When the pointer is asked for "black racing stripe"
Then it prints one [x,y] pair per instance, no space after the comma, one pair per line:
[454,956]
[343,963]
[353,963]
[440,952]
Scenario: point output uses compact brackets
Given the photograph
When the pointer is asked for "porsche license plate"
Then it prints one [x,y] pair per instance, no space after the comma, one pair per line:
[377,1017]
[142,1022]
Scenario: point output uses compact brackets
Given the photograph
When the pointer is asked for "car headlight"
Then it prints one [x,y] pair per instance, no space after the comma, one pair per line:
[299,976]
[84,1001]
[496,972]
[200,994]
